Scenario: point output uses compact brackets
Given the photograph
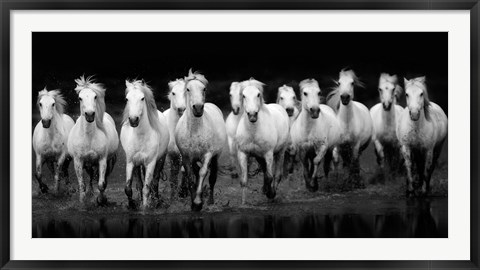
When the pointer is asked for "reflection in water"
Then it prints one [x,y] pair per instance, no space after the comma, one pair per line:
[418,219]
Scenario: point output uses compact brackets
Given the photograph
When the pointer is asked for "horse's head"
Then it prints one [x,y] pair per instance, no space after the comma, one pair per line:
[310,93]
[236,97]
[287,99]
[389,90]
[196,87]
[417,97]
[177,95]
[252,92]
[91,96]
[49,103]
[346,83]
[136,104]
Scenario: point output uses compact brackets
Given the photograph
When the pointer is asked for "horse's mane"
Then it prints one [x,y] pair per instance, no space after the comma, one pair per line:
[172,84]
[60,102]
[421,82]
[99,90]
[147,91]
[235,84]
[333,98]
[195,76]
[393,79]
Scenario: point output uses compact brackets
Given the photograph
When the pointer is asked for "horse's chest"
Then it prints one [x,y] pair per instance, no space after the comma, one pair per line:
[254,144]
[52,148]
[195,143]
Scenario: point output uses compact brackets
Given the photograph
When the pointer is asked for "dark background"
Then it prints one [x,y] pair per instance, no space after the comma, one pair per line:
[273,58]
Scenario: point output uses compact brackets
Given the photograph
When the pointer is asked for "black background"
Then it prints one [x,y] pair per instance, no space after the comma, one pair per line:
[273,58]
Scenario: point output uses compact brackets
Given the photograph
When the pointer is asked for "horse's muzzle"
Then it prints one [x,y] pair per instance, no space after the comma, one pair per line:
[314,112]
[46,123]
[236,111]
[90,117]
[289,111]
[134,121]
[197,110]
[253,117]
[414,116]
[180,111]
[345,99]
[387,107]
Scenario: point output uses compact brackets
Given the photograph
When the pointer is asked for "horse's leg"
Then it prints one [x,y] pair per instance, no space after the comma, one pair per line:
[197,202]
[157,174]
[355,166]
[280,168]
[243,162]
[320,153]
[233,159]
[326,163]
[58,166]
[102,183]
[128,184]
[407,154]
[147,185]
[263,167]
[38,174]
[270,166]
[426,173]
[306,170]
[212,179]
[174,169]
[380,154]
[78,164]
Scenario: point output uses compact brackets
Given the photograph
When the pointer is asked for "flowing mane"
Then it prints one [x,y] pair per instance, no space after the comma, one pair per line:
[393,79]
[147,91]
[420,82]
[195,76]
[99,90]
[60,102]
[172,85]
[254,83]
[333,98]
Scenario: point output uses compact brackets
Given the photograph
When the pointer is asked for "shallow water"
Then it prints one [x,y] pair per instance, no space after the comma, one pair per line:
[377,218]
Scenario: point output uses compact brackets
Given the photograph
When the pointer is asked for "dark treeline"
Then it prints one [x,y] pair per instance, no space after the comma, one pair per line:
[273,58]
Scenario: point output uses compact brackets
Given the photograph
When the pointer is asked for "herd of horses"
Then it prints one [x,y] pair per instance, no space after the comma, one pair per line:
[192,134]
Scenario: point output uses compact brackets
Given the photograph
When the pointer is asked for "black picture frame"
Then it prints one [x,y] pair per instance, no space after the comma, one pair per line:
[6,6]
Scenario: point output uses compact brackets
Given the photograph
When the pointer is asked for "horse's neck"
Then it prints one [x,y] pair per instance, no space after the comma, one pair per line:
[144,124]
[345,112]
[56,127]
[420,123]
[307,120]
[89,129]
[389,117]
[194,123]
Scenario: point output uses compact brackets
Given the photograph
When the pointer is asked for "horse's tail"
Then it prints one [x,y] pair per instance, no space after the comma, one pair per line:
[333,100]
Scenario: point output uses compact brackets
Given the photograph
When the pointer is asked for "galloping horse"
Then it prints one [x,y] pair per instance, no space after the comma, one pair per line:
[177,98]
[93,141]
[288,100]
[421,131]
[200,135]
[385,117]
[144,138]
[262,133]
[50,138]
[232,121]
[354,118]
[314,134]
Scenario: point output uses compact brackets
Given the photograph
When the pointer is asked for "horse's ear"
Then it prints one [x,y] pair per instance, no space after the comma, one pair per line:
[128,84]
[405,81]
[421,79]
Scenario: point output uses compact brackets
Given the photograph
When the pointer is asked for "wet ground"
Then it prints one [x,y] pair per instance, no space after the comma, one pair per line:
[377,210]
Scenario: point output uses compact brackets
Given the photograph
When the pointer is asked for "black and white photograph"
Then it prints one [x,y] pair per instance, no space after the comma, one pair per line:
[239,135]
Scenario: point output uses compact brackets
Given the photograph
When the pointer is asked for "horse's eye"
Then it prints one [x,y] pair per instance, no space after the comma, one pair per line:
[421,94]
[143,98]
[379,90]
[319,93]
[173,94]
[126,100]
[258,95]
[188,90]
[79,98]
[281,98]
[40,104]
[53,104]
[95,97]
[243,96]
[204,89]
[305,93]
[406,95]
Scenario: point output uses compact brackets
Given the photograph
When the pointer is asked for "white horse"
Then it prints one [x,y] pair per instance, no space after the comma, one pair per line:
[200,135]
[263,132]
[421,131]
[144,138]
[356,126]
[232,121]
[385,117]
[178,104]
[93,140]
[50,138]
[315,134]
[287,98]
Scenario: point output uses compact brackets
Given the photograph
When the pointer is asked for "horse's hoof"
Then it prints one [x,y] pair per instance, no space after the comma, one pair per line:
[234,175]
[196,207]
[271,193]
[101,200]
[43,188]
